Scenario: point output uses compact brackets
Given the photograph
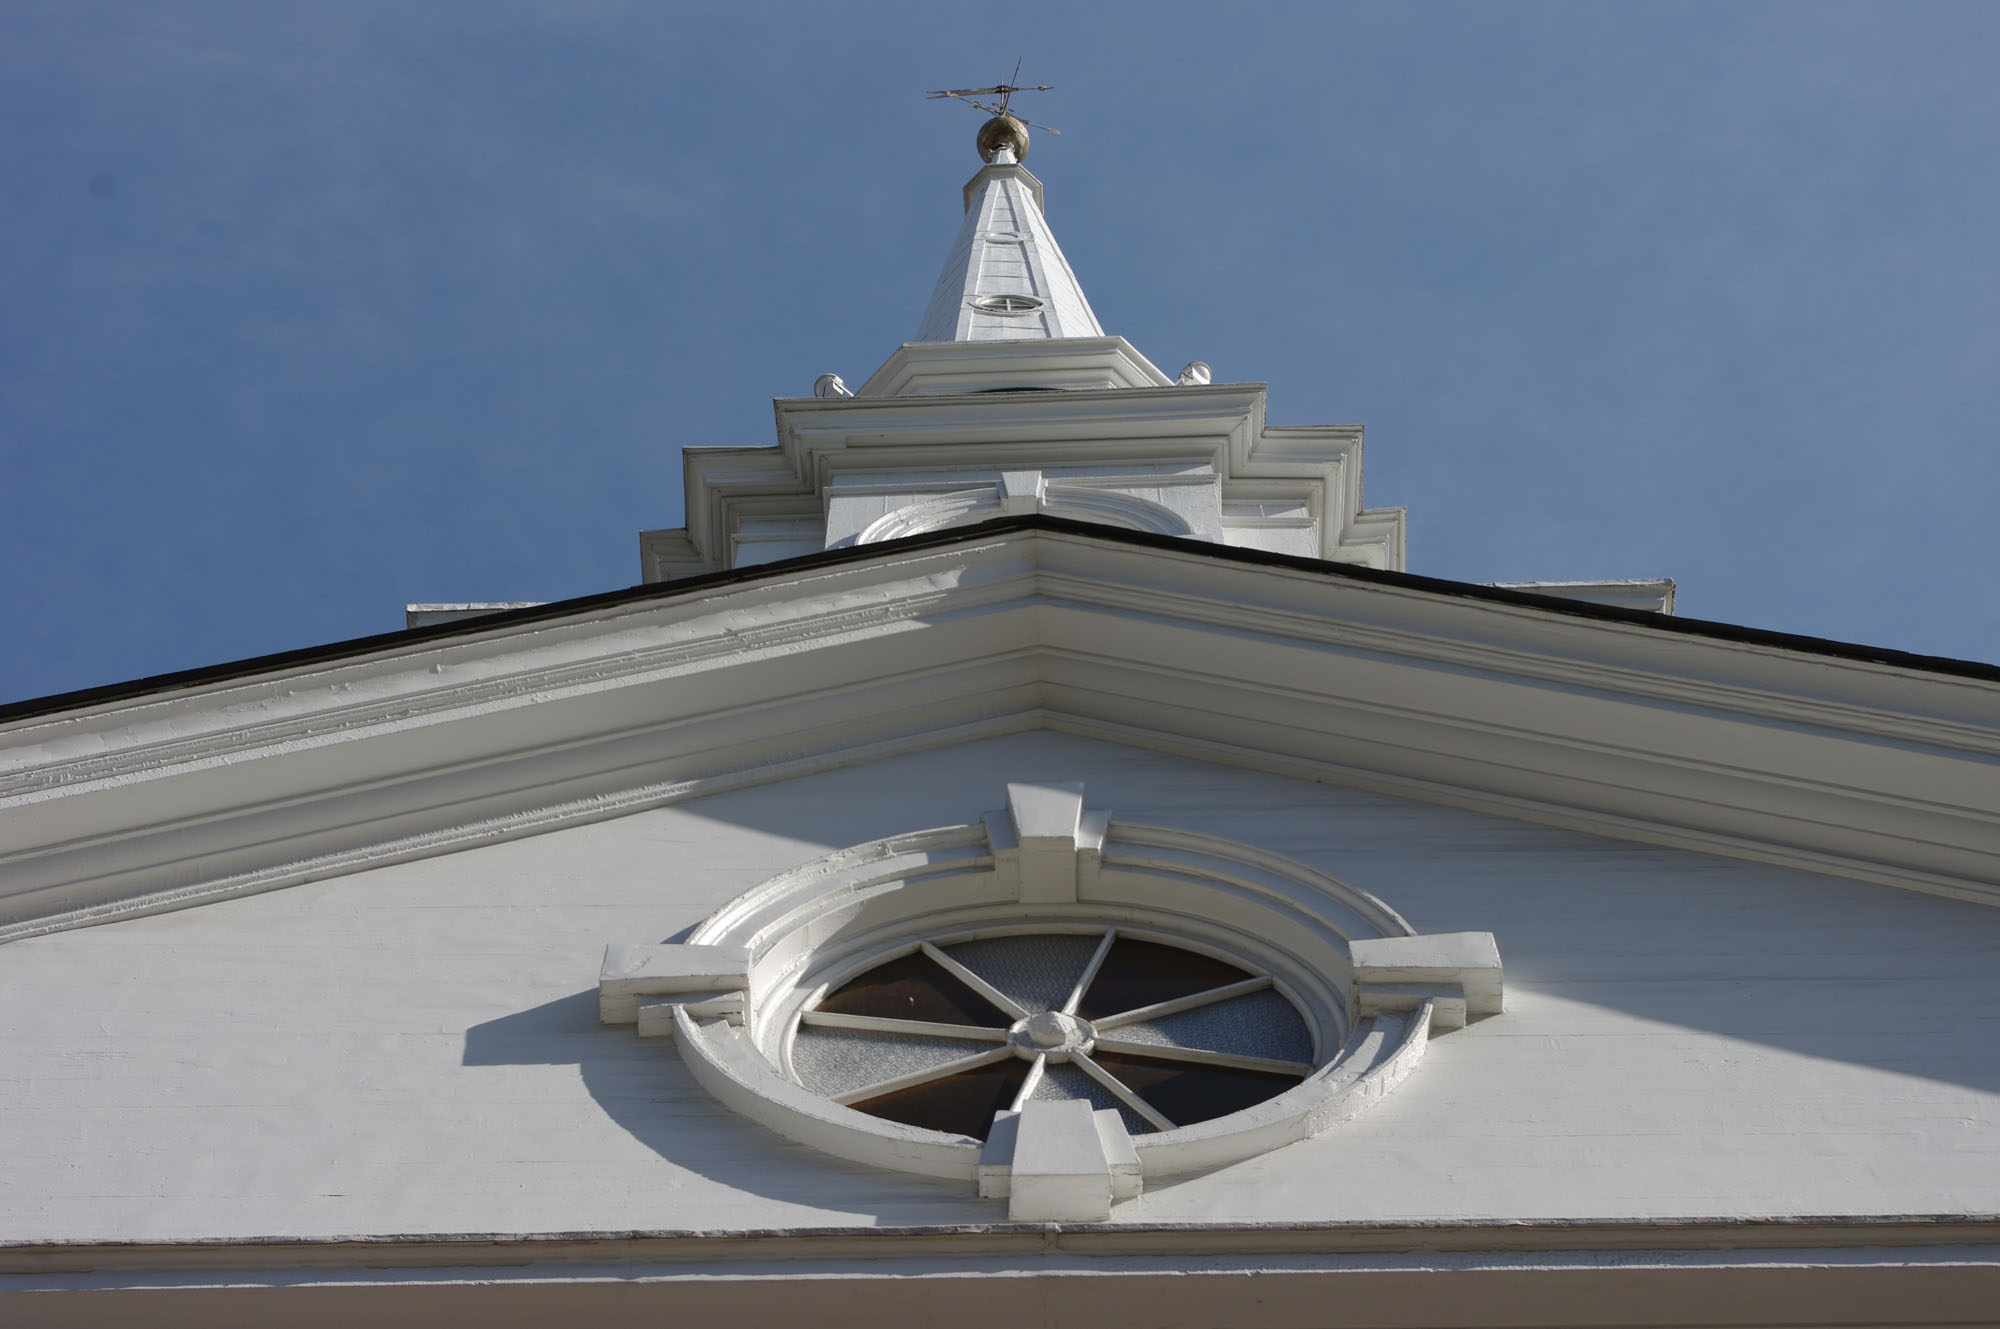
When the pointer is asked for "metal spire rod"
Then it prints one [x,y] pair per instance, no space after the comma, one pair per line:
[1004,91]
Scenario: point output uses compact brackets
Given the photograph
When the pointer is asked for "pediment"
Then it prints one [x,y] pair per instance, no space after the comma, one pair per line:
[1866,765]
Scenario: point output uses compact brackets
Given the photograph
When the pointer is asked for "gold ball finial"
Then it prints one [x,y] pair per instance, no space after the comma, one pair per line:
[1002,131]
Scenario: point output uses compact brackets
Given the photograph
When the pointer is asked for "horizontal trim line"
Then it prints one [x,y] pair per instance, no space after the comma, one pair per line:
[990,1239]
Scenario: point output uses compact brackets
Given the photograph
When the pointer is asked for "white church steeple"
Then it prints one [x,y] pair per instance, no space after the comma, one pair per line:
[1006,279]
[1014,401]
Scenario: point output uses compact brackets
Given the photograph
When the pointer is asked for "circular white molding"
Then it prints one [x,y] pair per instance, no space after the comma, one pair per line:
[733,992]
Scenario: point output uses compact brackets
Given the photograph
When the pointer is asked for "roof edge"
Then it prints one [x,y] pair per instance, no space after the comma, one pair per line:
[56,703]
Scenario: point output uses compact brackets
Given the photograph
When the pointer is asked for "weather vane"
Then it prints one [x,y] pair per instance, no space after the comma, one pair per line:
[1005,128]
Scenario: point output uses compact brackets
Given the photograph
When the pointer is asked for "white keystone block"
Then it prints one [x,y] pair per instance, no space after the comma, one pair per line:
[1060,1172]
[632,972]
[1021,491]
[1046,812]
[1048,827]
[1450,965]
[996,1160]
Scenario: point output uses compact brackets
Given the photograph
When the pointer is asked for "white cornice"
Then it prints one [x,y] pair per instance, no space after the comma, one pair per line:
[1873,770]
[917,443]
[1218,424]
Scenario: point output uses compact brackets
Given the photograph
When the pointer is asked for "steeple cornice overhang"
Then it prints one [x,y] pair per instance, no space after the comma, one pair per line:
[919,369]
[1833,759]
[1211,435]
[1217,424]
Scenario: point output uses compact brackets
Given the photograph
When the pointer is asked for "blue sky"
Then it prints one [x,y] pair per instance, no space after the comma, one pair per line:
[311,309]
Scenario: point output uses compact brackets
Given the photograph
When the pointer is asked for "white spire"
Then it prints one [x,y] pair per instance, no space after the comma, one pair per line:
[1006,279]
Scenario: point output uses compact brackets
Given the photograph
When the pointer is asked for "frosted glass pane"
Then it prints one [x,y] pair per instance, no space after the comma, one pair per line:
[1037,971]
[1261,1024]
[834,1061]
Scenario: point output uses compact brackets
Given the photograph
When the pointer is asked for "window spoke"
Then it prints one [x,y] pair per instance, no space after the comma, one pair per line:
[915,1078]
[985,989]
[986,1021]
[1202,1056]
[885,1024]
[1179,1004]
[1136,973]
[1029,1085]
[1192,1091]
[1123,1094]
[1090,972]
[914,986]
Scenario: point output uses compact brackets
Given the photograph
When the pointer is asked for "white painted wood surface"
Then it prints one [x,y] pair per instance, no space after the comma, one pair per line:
[1005,248]
[416,1048]
[1878,769]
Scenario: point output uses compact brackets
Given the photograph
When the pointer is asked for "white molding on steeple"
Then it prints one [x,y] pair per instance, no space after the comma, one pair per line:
[1006,255]
[844,464]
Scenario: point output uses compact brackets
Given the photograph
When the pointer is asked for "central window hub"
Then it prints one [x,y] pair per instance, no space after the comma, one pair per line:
[1051,1034]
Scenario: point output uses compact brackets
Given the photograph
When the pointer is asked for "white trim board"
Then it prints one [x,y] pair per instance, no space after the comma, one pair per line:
[1875,770]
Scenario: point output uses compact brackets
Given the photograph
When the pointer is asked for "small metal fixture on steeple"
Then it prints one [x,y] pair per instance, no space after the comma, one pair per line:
[1005,132]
